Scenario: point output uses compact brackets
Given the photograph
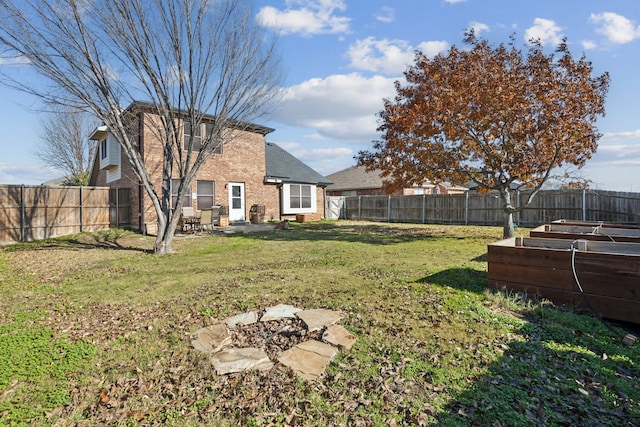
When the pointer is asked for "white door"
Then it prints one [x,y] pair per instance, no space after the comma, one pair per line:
[236,201]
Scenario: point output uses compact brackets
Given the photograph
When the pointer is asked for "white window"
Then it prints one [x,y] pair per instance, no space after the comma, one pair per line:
[216,143]
[198,137]
[299,198]
[195,132]
[186,202]
[205,194]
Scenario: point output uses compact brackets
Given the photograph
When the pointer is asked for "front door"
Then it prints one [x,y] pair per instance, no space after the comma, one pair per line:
[236,201]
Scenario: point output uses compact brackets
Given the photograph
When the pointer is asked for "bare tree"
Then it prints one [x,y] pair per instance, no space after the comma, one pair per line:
[187,58]
[65,144]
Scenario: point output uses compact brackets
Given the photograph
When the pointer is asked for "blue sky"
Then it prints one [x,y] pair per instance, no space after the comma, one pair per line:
[341,58]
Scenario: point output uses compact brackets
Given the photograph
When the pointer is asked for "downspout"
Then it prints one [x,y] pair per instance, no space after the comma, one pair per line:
[324,199]
[280,202]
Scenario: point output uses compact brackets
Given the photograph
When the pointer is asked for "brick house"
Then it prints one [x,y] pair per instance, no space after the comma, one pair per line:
[245,171]
[356,181]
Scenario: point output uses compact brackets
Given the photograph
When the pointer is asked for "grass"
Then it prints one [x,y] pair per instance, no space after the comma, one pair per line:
[96,330]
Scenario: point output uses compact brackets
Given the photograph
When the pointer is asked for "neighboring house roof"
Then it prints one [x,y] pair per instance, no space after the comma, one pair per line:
[357,178]
[57,182]
[285,167]
[354,178]
[513,186]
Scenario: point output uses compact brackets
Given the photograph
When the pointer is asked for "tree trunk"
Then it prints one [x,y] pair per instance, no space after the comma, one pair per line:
[508,208]
[164,241]
[508,230]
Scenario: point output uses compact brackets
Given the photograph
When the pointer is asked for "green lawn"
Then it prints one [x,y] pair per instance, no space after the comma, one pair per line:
[95,330]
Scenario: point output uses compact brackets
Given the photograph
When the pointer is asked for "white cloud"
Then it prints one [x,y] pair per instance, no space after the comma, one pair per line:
[324,154]
[478,27]
[544,30]
[306,17]
[388,56]
[454,1]
[14,60]
[616,28]
[433,48]
[11,173]
[633,134]
[589,44]
[342,106]
[386,15]
[617,155]
[323,160]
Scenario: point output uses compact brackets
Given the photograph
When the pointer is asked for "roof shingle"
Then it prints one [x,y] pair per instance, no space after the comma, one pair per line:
[282,165]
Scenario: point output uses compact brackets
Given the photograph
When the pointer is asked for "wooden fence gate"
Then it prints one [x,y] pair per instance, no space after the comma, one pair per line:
[335,207]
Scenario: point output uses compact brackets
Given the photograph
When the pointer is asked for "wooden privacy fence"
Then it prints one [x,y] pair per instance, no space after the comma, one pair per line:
[38,212]
[486,209]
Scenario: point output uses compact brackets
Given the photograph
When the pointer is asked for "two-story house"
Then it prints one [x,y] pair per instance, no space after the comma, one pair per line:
[243,172]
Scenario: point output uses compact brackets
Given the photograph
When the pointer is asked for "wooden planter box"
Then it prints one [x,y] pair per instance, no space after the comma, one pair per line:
[608,272]
[224,221]
[588,231]
[304,217]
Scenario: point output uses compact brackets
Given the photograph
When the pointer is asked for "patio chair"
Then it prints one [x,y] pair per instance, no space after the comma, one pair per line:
[206,220]
[188,212]
[215,213]
[188,220]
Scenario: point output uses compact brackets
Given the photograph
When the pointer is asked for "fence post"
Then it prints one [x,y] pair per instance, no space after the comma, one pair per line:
[81,213]
[359,208]
[424,208]
[466,207]
[584,204]
[519,220]
[22,215]
[388,208]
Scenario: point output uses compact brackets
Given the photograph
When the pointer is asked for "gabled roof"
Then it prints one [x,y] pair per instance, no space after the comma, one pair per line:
[354,178]
[237,124]
[283,167]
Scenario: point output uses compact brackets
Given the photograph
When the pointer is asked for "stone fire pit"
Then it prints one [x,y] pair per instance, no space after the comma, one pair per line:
[304,340]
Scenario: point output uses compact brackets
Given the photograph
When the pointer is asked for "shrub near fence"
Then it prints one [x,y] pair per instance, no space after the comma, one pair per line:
[486,209]
[38,212]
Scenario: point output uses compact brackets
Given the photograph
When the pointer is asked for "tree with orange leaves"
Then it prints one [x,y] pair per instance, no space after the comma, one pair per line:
[492,116]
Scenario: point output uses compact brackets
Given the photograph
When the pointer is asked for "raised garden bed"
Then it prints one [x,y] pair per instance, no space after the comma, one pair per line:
[577,271]
[588,231]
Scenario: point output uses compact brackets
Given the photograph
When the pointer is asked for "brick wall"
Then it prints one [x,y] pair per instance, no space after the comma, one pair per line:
[242,160]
